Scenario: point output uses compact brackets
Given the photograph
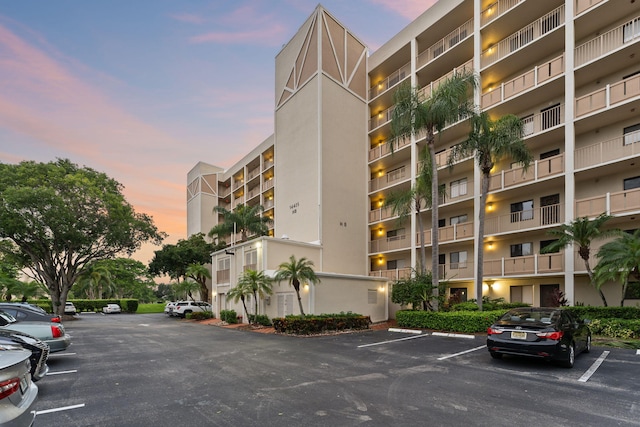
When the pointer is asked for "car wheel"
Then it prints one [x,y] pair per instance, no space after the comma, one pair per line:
[587,345]
[571,356]
[495,355]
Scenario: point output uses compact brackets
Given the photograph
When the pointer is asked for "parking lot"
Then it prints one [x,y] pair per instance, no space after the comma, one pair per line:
[150,370]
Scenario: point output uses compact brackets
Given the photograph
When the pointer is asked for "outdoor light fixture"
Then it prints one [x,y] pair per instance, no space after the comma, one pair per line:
[490,206]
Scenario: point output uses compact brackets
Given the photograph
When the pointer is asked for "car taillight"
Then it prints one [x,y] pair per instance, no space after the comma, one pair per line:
[494,331]
[55,319]
[8,387]
[555,335]
[56,331]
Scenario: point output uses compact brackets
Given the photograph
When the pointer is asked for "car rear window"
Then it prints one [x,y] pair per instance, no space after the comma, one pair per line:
[547,317]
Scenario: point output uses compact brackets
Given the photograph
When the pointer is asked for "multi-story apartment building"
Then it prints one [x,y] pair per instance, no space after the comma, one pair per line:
[569,68]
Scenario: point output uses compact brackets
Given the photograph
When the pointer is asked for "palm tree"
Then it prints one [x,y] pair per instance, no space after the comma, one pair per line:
[413,114]
[243,219]
[581,232]
[94,280]
[187,287]
[619,260]
[295,272]
[258,283]
[490,141]
[240,292]
[199,273]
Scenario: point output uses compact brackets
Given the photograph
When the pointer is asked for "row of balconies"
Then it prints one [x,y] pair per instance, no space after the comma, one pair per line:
[253,192]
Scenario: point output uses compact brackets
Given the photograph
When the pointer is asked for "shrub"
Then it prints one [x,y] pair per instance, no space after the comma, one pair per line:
[200,315]
[616,328]
[318,324]
[229,316]
[452,321]
[588,312]
[260,319]
[465,306]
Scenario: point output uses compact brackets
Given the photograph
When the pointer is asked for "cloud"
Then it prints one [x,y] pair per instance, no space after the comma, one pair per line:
[410,9]
[189,18]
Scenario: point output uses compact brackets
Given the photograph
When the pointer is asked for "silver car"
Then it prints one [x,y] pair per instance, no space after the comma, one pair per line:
[52,334]
[18,393]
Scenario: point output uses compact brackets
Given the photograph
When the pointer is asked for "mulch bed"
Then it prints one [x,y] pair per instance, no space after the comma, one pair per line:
[270,330]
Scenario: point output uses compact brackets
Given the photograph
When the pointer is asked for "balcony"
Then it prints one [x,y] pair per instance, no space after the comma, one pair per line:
[614,150]
[497,9]
[380,214]
[448,42]
[391,178]
[529,80]
[582,5]
[391,80]
[255,191]
[223,191]
[426,91]
[451,233]
[268,184]
[523,37]
[524,265]
[396,274]
[539,170]
[268,204]
[617,203]
[462,191]
[267,164]
[523,220]
[389,244]
[608,96]
[545,120]
[253,173]
[607,42]
[456,270]
[442,158]
[237,201]
[384,148]
[381,118]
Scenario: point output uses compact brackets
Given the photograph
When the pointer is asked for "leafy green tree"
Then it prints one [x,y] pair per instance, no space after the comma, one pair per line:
[92,279]
[240,292]
[490,141]
[417,291]
[187,288]
[243,219]
[296,272]
[61,217]
[258,283]
[165,292]
[26,290]
[199,274]
[619,260]
[581,232]
[413,114]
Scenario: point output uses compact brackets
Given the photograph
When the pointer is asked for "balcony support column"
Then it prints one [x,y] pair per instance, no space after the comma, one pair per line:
[607,203]
[535,263]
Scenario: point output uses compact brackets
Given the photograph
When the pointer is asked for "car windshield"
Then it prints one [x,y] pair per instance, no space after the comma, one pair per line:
[531,316]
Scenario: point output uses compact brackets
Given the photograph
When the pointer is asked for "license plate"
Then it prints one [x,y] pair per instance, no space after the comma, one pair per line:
[24,385]
[518,335]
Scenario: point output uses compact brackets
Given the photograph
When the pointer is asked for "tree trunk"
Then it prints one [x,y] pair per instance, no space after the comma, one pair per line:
[434,217]
[484,190]
[423,255]
[624,290]
[296,286]
[591,280]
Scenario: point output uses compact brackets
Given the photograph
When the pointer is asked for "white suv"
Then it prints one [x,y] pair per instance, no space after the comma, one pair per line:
[182,308]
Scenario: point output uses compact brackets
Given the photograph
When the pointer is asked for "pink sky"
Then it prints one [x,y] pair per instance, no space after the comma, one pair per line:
[145,101]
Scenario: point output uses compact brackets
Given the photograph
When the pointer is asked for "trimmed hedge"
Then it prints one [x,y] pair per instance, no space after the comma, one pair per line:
[229,316]
[450,321]
[319,324]
[95,305]
[588,312]
[200,315]
[616,328]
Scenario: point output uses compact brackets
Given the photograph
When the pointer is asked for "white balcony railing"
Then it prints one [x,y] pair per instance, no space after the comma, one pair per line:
[530,264]
[446,43]
[603,152]
[497,9]
[617,203]
[516,176]
[605,43]
[608,96]
[390,81]
[522,220]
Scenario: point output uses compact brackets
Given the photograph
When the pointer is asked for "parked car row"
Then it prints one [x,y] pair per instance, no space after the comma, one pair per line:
[27,336]
[182,308]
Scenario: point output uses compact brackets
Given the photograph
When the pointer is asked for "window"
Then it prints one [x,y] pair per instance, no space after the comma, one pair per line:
[522,211]
[631,30]
[458,219]
[631,135]
[224,264]
[458,260]
[395,233]
[442,259]
[458,188]
[458,294]
[548,154]
[442,222]
[521,249]
[550,116]
[631,183]
[545,243]
[392,265]
[550,209]
[372,296]
[251,259]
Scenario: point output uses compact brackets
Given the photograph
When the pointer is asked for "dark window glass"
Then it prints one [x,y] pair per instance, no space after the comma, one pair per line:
[631,183]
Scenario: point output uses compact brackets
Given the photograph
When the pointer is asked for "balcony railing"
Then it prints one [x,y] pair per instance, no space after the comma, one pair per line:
[608,151]
[608,96]
[390,244]
[612,203]
[456,270]
[268,204]
[516,176]
[522,220]
[523,37]
[496,10]
[532,78]
[381,118]
[451,233]
[582,5]
[390,178]
[463,191]
[253,173]
[391,80]
[530,264]
[238,201]
[255,191]
[547,119]
[426,91]
[607,42]
[442,158]
[267,164]
[223,191]
[446,43]
[268,184]
[380,214]
[396,274]
[383,148]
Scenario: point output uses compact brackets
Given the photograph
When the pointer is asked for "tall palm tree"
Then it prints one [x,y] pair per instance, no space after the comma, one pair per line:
[581,232]
[619,260]
[240,292]
[296,272]
[199,273]
[243,219]
[258,283]
[414,114]
[187,287]
[490,141]
[94,280]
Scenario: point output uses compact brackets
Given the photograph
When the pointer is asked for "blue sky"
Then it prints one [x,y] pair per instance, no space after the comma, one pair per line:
[142,90]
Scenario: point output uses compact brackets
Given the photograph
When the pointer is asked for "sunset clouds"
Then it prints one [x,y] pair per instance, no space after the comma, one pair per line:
[144,90]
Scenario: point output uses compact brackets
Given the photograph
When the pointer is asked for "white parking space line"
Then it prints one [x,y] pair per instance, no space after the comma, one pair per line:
[61,354]
[65,408]
[585,377]
[405,331]
[390,341]
[445,334]
[637,352]
[73,371]
[462,352]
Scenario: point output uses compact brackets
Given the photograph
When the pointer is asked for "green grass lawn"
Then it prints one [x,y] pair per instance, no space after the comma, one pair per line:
[150,308]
